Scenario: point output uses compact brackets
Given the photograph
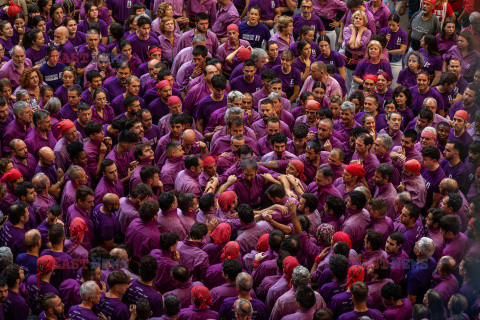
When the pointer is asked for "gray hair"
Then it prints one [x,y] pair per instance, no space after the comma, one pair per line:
[12,51]
[6,257]
[92,31]
[74,172]
[300,276]
[386,140]
[232,111]
[257,54]
[237,137]
[426,247]
[39,182]
[429,98]
[275,96]
[19,107]
[404,197]
[87,290]
[430,129]
[21,94]
[40,115]
[234,94]
[348,106]
[244,282]
[199,37]
[53,105]
[244,307]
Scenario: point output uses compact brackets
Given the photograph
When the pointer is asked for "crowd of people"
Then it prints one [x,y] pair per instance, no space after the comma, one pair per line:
[245,159]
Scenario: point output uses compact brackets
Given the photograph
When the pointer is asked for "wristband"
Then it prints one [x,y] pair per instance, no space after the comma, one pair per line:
[256,263]
[318,259]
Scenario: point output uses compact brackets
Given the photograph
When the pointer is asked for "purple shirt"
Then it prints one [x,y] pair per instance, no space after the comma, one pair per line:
[207,106]
[412,235]
[106,226]
[419,278]
[239,83]
[170,170]
[34,141]
[107,186]
[400,312]
[335,59]
[15,307]
[314,22]
[470,62]
[122,162]
[13,237]
[287,305]
[355,225]
[193,258]
[73,212]
[142,237]
[168,221]
[225,16]
[195,313]
[112,308]
[183,292]
[365,67]
[418,98]
[140,47]
[10,72]
[187,181]
[456,247]
[227,309]
[255,35]
[114,88]
[353,315]
[35,293]
[187,39]
[165,263]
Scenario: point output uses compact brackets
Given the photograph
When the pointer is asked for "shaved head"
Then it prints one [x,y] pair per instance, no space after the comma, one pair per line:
[189,136]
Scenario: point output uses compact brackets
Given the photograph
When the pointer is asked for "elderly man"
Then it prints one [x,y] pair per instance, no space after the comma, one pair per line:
[422,23]
[429,103]
[259,57]
[62,42]
[20,127]
[91,294]
[41,136]
[413,182]
[346,122]
[286,304]
[14,68]
[394,123]
[428,137]
[88,53]
[318,72]
[419,277]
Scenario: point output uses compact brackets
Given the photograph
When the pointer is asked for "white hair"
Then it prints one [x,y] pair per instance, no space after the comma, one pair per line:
[426,247]
[88,290]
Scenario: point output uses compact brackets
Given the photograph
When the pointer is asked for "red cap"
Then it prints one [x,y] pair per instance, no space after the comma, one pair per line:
[162,84]
[173,100]
[243,54]
[13,9]
[355,170]
[262,243]
[202,295]
[226,199]
[11,175]
[413,166]
[342,236]
[64,126]
[462,114]
[355,273]
[45,264]
[312,105]
[231,251]
[208,161]
[221,233]
[432,2]
[371,77]
[233,27]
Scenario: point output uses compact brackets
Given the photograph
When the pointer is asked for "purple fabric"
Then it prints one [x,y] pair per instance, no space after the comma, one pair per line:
[15,307]
[419,277]
[106,226]
[12,237]
[168,221]
[456,247]
[187,39]
[28,263]
[470,62]
[193,258]
[73,212]
[254,34]
[355,225]
[371,313]
[196,313]
[112,307]
[187,181]
[287,305]
[165,263]
[399,312]
[432,182]
[142,237]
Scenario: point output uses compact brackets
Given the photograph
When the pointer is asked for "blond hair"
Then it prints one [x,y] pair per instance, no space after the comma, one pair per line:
[283,22]
[362,14]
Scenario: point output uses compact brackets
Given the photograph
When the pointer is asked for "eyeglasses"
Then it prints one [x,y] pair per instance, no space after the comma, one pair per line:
[306,7]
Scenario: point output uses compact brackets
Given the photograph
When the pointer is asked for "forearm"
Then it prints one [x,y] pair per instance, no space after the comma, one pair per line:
[296,91]
[224,187]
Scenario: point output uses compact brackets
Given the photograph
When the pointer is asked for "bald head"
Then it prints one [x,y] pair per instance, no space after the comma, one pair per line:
[47,156]
[189,136]
[448,185]
[446,265]
[152,63]
[474,17]
[33,239]
[110,199]
[41,182]
[61,35]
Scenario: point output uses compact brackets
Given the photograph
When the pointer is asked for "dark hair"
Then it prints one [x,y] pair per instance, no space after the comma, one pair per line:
[411,134]
[171,305]
[275,240]
[455,201]
[406,92]
[245,213]
[201,16]
[167,239]
[337,205]
[300,131]
[414,211]
[358,199]
[339,265]
[117,277]
[398,237]
[391,290]
[431,152]
[192,161]
[12,274]
[385,170]
[148,172]
[359,291]
[375,238]
[22,189]
[56,233]
[206,202]
[148,210]
[180,273]
[198,231]
[381,267]
[148,268]
[435,304]
[311,201]
[323,313]
[16,211]
[305,297]
[231,268]
[450,223]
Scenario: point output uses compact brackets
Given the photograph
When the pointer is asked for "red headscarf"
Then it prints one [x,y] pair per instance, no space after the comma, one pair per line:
[11,175]
[202,295]
[342,236]
[226,199]
[355,273]
[64,126]
[262,244]
[221,233]
[289,263]
[162,84]
[230,251]
[13,9]
[45,264]
[300,168]
[78,228]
